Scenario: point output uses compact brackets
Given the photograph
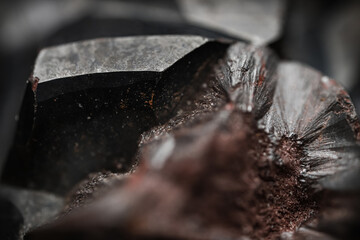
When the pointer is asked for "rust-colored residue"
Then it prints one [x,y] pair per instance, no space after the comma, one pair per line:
[122,104]
[34,83]
[151,101]
[289,152]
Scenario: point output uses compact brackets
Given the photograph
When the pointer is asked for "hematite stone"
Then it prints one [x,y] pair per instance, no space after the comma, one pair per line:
[247,147]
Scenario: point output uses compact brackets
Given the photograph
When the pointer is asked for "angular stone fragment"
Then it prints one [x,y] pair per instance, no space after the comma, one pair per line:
[89,102]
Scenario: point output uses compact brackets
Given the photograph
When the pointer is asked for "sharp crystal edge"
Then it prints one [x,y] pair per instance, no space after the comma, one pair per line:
[106,55]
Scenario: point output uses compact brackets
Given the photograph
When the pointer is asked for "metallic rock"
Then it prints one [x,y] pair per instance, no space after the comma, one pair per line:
[82,123]
[251,156]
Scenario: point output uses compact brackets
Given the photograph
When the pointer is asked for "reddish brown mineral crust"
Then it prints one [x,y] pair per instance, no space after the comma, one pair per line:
[248,194]
[34,83]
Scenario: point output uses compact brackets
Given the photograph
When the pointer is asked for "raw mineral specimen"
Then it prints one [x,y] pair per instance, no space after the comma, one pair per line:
[242,146]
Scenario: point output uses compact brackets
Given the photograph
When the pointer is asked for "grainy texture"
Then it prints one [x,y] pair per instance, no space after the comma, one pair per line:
[91,188]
